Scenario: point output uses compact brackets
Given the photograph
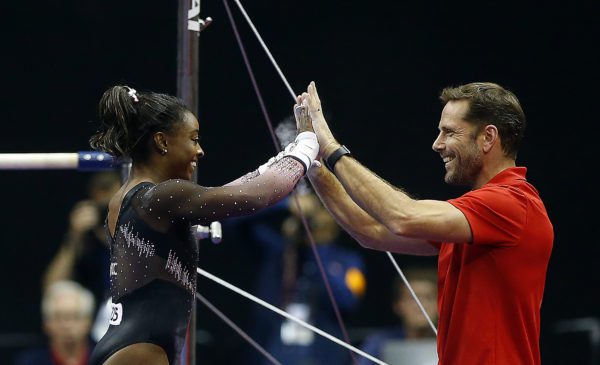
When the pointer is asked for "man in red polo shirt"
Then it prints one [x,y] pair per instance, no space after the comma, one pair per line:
[493,242]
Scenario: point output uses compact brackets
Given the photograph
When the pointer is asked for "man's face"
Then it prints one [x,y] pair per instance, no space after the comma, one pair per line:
[409,311]
[458,145]
[66,324]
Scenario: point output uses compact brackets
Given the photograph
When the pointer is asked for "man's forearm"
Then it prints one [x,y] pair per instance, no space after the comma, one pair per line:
[358,223]
[350,216]
[385,203]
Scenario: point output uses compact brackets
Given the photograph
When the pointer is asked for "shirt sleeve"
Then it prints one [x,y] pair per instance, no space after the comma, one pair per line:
[497,214]
[182,201]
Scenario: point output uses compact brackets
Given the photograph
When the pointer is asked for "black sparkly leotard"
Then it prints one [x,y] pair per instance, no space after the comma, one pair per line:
[154,255]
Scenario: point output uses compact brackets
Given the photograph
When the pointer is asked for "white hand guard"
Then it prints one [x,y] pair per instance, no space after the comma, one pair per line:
[304,149]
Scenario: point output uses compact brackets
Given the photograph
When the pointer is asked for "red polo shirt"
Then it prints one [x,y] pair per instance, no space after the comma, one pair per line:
[490,290]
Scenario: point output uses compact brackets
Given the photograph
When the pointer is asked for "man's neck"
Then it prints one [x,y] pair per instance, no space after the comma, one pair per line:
[416,333]
[492,169]
[69,354]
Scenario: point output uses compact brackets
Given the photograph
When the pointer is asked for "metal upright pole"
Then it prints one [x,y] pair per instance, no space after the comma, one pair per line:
[187,55]
[187,89]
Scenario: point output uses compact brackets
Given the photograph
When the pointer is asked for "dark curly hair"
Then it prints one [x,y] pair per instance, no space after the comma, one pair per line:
[129,119]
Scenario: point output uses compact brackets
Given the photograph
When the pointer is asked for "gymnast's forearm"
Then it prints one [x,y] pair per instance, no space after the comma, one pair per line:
[271,182]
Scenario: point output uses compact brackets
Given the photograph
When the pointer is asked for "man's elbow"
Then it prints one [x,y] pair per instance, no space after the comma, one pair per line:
[404,222]
[376,239]
[367,241]
[403,219]
[399,226]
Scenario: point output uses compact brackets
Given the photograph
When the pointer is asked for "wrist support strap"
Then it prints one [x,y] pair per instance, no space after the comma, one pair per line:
[332,159]
[304,149]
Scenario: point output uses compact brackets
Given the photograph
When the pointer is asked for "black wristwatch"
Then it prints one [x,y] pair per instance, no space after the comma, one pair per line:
[332,159]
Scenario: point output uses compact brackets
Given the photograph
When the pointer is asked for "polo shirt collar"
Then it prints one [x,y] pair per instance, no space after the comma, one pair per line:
[509,176]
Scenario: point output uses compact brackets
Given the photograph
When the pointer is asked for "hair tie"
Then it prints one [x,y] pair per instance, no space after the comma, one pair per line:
[131,92]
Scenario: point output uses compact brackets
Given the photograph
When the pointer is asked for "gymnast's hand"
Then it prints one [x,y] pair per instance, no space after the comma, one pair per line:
[306,142]
[303,120]
[327,143]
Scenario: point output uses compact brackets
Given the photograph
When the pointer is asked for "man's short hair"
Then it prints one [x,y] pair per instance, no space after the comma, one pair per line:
[490,103]
[67,287]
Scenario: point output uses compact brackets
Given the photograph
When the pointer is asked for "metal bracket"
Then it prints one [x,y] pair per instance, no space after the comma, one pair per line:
[214,232]
[195,23]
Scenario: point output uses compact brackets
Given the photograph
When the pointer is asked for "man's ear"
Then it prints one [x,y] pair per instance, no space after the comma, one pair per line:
[490,137]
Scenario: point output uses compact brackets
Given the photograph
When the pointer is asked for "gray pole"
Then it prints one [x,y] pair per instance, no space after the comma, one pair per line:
[187,54]
[187,90]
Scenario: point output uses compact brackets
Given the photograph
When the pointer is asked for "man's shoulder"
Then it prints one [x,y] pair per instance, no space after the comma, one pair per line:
[496,194]
[34,356]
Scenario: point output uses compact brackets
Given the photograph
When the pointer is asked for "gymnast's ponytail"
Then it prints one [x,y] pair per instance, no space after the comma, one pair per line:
[128,119]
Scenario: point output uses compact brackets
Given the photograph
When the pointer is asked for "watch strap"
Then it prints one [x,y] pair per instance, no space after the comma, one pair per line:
[333,158]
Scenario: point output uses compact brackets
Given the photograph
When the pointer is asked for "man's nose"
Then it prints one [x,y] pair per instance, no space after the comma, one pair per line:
[437,144]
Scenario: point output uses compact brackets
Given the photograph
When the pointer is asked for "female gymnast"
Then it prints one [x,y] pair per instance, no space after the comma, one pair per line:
[153,254]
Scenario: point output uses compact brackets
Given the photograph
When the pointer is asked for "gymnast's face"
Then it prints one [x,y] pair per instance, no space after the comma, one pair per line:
[458,145]
[184,148]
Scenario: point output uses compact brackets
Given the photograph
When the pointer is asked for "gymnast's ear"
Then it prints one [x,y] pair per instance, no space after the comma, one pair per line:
[160,141]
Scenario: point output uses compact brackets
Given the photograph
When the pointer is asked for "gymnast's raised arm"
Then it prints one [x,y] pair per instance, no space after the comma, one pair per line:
[185,201]
[161,136]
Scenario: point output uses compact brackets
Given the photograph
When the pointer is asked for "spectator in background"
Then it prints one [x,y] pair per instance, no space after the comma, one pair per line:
[67,312]
[413,325]
[84,254]
[289,277]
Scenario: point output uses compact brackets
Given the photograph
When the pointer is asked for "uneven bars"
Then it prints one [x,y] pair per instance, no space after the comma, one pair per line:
[82,161]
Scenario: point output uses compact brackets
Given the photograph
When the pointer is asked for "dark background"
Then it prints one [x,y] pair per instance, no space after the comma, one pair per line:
[379,67]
